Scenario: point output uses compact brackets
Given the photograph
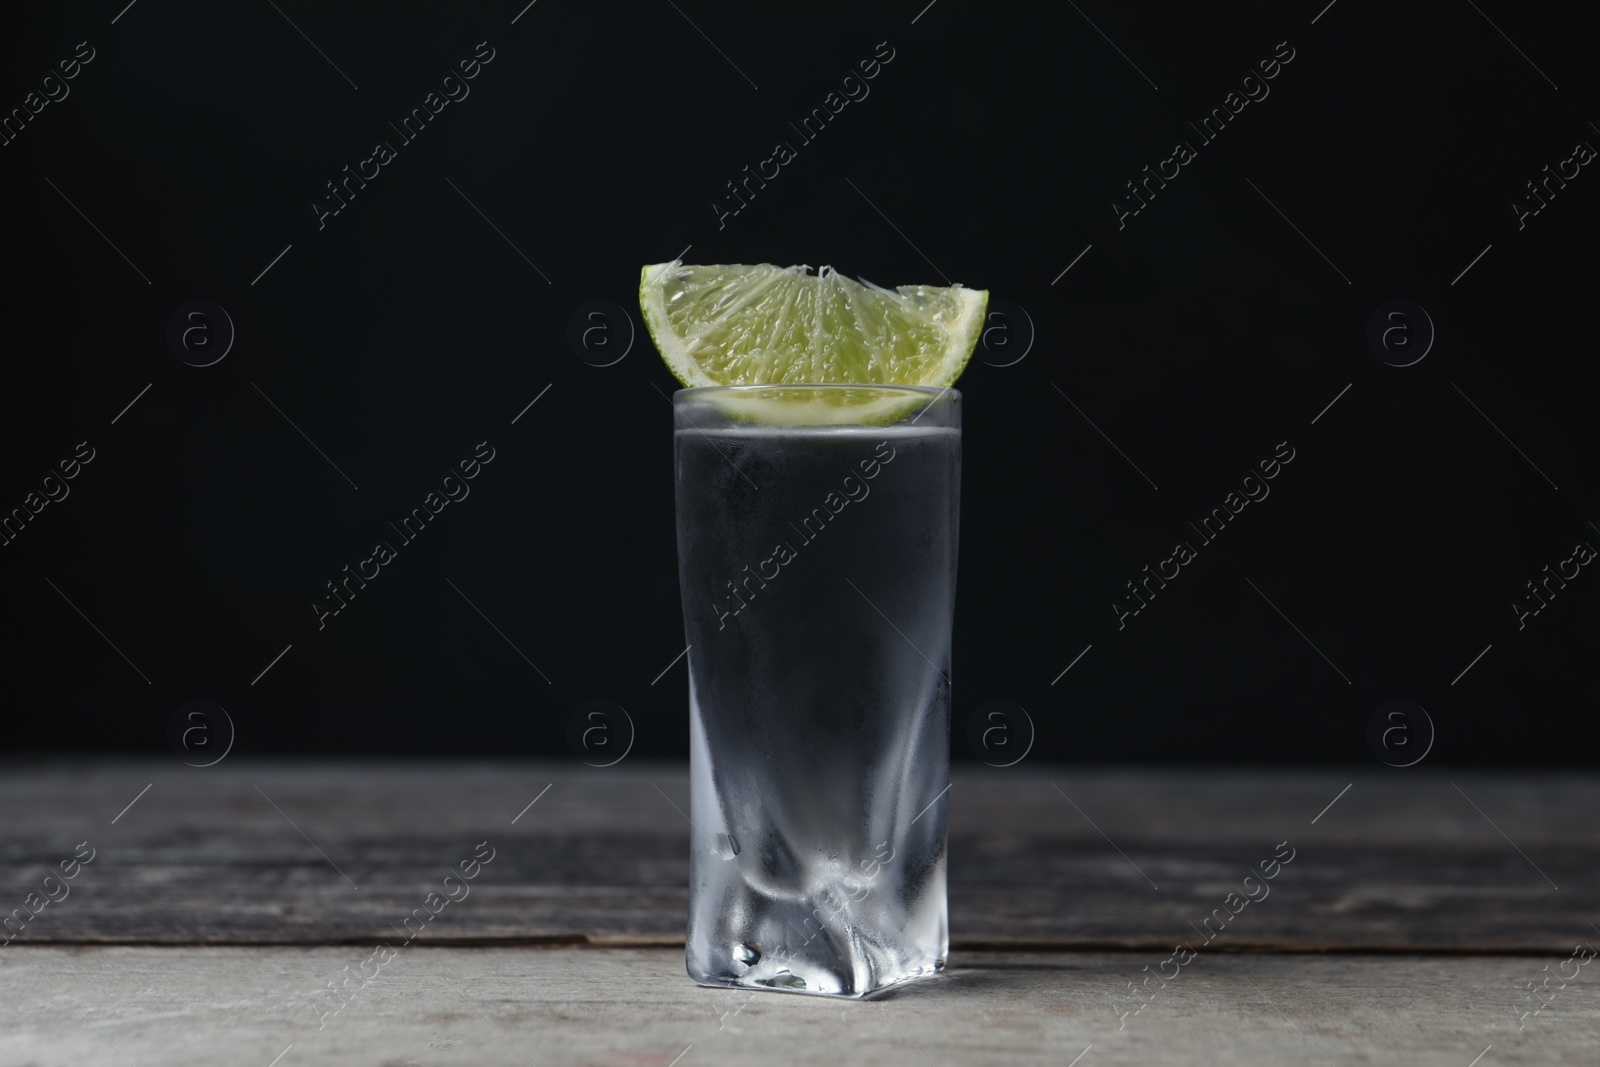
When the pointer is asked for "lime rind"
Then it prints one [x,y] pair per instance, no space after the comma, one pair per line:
[828,405]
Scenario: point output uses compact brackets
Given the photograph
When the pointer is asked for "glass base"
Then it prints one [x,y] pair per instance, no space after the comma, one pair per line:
[745,939]
[811,976]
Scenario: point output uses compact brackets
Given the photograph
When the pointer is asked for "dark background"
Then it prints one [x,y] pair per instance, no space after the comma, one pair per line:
[988,152]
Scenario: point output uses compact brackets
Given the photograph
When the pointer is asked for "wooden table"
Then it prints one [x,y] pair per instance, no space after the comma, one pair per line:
[1418,916]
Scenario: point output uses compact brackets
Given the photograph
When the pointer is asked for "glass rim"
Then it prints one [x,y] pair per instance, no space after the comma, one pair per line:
[932,391]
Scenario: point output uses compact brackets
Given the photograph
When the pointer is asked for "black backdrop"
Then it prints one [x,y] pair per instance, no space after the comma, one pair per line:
[376,347]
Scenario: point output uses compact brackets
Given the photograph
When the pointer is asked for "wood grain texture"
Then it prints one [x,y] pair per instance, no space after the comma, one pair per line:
[245,853]
[87,1006]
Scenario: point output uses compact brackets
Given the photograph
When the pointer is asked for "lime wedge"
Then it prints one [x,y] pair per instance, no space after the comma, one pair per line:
[767,325]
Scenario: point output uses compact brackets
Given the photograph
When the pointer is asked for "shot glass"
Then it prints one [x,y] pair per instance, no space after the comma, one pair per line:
[817,533]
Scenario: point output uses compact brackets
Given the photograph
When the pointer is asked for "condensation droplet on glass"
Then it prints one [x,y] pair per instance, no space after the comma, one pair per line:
[748,955]
[727,846]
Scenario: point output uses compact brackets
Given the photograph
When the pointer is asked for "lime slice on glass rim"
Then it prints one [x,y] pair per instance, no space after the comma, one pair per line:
[770,326]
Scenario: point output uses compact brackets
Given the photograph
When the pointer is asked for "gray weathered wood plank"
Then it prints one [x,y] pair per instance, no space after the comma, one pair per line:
[87,1006]
[1403,860]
